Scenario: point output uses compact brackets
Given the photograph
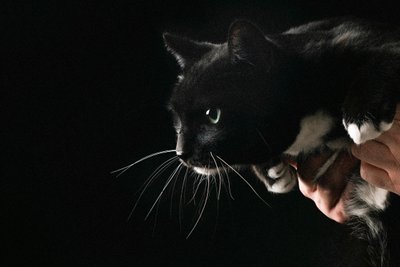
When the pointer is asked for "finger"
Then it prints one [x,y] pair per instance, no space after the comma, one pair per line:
[333,183]
[307,170]
[309,167]
[329,193]
[332,206]
[336,211]
[375,176]
[308,190]
[391,139]
[375,153]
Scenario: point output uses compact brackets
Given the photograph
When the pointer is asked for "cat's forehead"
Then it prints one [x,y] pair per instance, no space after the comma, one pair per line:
[213,81]
[204,82]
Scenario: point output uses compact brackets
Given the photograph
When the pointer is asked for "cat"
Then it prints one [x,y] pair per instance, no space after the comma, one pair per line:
[258,99]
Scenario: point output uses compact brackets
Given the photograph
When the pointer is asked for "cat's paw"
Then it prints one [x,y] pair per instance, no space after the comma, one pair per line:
[367,130]
[366,117]
[277,179]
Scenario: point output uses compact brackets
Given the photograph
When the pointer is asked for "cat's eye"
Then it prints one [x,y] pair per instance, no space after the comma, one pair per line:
[213,115]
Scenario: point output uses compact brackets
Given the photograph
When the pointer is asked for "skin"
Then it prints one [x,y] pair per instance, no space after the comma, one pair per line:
[380,166]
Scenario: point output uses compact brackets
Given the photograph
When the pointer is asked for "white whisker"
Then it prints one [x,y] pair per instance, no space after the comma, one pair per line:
[173,189]
[202,209]
[197,182]
[170,178]
[263,139]
[213,180]
[155,219]
[244,180]
[124,169]
[202,198]
[229,184]
[160,169]
[219,176]
[182,198]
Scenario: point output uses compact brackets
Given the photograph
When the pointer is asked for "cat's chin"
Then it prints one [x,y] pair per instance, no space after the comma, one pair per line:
[205,171]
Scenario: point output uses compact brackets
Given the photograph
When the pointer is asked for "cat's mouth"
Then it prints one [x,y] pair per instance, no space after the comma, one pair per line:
[205,171]
[214,167]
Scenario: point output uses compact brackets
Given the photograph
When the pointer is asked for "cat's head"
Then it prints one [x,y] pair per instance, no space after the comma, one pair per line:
[229,100]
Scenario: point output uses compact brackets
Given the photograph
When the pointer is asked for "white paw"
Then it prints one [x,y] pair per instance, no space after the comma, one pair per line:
[366,131]
[277,171]
[283,179]
[282,186]
[277,179]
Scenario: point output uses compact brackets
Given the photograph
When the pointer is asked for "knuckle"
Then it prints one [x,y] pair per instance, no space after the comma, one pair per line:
[306,190]
[364,172]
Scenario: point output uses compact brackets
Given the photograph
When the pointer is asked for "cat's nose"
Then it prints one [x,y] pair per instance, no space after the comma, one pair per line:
[181,149]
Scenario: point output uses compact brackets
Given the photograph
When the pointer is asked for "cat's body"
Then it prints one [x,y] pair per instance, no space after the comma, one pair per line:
[258,99]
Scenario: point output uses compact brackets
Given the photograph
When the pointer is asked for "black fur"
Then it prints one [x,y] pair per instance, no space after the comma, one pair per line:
[265,85]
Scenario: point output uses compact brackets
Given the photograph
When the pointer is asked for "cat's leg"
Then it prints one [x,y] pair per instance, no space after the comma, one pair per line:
[365,129]
[370,106]
[279,178]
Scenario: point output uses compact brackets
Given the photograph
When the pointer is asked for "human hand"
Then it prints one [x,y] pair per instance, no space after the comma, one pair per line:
[330,191]
[380,158]
[380,166]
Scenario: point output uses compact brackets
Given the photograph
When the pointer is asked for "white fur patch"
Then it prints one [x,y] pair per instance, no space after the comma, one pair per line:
[205,171]
[312,129]
[277,171]
[283,184]
[373,196]
[379,198]
[284,179]
[366,131]
[337,144]
[384,126]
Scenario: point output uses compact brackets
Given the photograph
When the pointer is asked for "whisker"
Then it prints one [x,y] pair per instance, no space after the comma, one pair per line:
[124,169]
[229,184]
[202,198]
[202,209]
[153,176]
[244,180]
[155,219]
[158,171]
[263,139]
[213,179]
[219,176]
[173,189]
[182,198]
[170,178]
[199,180]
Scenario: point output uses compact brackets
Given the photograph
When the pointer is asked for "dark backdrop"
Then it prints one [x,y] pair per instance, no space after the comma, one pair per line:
[85,87]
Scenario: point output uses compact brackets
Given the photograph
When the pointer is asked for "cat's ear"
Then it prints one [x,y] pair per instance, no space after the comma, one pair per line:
[186,51]
[246,42]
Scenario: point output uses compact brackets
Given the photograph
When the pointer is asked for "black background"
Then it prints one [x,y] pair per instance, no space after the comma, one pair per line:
[85,87]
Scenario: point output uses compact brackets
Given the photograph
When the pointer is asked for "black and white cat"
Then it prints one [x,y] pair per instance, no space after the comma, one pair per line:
[256,99]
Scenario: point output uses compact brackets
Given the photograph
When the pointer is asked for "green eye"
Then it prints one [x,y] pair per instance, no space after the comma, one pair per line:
[213,115]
